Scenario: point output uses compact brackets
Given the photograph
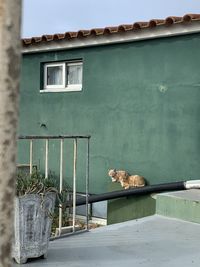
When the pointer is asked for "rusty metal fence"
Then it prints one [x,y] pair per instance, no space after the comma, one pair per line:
[61,138]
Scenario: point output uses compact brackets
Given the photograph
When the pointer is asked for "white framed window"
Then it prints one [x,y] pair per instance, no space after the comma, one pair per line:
[62,76]
[54,76]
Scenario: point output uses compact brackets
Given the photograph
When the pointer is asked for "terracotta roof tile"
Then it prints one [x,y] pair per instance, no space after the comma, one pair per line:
[169,21]
[140,25]
[59,36]
[125,27]
[48,37]
[172,20]
[156,22]
[26,41]
[97,31]
[36,39]
[83,33]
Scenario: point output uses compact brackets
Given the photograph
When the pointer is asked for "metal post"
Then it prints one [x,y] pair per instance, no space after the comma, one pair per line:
[87,182]
[31,157]
[46,157]
[74,183]
[61,183]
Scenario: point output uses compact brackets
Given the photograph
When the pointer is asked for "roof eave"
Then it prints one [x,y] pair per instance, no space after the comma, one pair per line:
[122,37]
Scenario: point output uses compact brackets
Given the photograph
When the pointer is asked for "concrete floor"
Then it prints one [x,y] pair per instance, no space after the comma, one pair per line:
[148,242]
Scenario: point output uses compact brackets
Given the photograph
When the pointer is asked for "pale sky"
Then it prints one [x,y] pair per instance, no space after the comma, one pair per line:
[59,16]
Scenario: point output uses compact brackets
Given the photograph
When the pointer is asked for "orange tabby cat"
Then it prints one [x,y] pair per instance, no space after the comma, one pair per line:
[117,176]
[125,179]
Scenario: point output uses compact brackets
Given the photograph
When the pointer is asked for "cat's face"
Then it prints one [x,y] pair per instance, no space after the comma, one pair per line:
[112,174]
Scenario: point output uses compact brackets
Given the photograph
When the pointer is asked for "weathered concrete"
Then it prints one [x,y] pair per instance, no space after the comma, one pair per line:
[147,242]
[10,46]
[32,226]
[184,205]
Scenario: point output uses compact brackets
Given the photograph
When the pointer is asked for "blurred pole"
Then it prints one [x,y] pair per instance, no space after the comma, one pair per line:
[74,184]
[10,45]
[61,184]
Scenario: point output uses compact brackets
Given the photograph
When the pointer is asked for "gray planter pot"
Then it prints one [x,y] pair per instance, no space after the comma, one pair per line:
[32,226]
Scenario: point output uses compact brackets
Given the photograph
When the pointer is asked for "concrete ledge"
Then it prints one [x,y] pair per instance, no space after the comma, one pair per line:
[66,230]
[129,208]
[183,205]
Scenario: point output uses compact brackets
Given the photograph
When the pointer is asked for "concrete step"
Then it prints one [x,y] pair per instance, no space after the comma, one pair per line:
[184,205]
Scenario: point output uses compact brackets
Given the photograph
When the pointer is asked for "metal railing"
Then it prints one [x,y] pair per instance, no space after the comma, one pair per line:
[61,138]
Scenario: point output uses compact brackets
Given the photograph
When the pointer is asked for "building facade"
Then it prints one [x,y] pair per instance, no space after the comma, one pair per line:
[134,88]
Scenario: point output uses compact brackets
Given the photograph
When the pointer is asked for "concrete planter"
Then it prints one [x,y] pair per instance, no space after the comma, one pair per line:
[32,226]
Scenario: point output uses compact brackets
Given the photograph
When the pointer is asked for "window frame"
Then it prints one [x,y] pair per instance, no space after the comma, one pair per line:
[59,86]
[64,87]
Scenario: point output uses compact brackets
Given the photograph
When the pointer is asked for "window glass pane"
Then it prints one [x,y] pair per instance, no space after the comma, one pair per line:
[74,74]
[55,75]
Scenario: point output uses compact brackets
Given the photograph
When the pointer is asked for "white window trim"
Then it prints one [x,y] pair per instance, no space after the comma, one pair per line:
[60,88]
[70,63]
[74,88]
[46,86]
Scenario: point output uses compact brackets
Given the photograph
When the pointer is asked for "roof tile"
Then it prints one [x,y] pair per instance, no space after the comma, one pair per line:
[172,20]
[156,22]
[169,21]
[97,31]
[125,27]
[190,17]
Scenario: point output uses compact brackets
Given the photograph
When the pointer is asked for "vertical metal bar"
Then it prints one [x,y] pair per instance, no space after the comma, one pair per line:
[31,157]
[87,182]
[61,164]
[61,183]
[46,157]
[74,183]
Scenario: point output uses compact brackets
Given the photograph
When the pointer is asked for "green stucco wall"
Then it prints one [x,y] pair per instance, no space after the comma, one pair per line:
[140,103]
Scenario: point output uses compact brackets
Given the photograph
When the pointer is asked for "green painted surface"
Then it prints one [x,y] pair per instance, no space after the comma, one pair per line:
[129,208]
[140,104]
[178,207]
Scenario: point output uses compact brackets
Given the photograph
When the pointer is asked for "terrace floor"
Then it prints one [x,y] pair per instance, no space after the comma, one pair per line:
[147,242]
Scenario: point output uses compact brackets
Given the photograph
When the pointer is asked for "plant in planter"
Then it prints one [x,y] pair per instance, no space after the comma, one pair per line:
[34,205]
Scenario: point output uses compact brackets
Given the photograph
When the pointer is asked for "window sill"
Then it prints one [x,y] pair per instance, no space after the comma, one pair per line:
[59,90]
